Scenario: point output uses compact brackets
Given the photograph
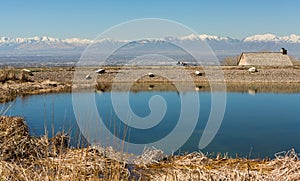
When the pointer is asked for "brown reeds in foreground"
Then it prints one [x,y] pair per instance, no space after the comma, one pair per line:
[23,157]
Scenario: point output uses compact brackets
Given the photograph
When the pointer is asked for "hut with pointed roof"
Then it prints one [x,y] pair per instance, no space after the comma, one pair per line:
[265,58]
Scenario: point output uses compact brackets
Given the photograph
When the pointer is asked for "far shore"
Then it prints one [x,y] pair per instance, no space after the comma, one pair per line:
[236,79]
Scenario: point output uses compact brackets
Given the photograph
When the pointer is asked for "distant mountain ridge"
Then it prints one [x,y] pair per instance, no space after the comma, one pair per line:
[71,49]
[292,38]
[272,38]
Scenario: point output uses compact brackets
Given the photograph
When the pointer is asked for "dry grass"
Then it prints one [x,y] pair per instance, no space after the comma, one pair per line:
[23,157]
[197,166]
[8,74]
[16,143]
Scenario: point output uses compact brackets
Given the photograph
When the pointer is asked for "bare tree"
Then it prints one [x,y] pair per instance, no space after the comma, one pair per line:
[230,61]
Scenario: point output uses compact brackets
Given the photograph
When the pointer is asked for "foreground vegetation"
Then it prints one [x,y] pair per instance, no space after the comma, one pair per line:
[23,157]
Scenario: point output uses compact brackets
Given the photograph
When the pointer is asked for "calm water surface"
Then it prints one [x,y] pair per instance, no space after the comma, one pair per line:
[259,125]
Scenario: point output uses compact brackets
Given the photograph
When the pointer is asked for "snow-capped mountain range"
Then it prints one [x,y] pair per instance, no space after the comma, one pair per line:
[70,49]
[50,40]
[272,38]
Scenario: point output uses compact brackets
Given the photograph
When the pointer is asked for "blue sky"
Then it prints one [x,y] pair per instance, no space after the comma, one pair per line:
[87,19]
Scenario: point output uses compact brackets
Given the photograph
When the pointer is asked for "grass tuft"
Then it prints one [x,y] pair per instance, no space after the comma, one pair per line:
[10,74]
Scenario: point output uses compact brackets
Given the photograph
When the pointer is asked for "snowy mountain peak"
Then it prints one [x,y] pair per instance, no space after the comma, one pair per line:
[189,37]
[76,41]
[204,37]
[292,38]
[211,37]
[4,39]
[262,38]
[49,39]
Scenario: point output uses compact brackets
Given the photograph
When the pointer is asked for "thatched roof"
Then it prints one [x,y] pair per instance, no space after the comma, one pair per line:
[264,58]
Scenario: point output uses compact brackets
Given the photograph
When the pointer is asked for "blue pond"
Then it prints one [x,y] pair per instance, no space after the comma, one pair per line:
[257,125]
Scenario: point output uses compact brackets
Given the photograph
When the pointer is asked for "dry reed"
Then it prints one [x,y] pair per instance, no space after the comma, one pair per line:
[23,157]
[7,74]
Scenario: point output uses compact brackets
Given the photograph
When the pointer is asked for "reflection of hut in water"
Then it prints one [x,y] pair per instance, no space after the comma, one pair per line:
[265,58]
[252,91]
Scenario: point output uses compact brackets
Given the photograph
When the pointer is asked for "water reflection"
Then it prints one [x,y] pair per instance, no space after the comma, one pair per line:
[265,123]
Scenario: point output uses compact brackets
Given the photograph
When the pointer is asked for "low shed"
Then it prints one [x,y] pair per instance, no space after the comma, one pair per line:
[265,58]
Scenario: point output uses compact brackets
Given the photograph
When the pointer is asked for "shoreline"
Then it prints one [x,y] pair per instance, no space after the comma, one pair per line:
[236,79]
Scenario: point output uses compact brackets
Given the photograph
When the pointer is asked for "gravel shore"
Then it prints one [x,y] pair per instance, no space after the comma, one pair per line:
[236,78]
